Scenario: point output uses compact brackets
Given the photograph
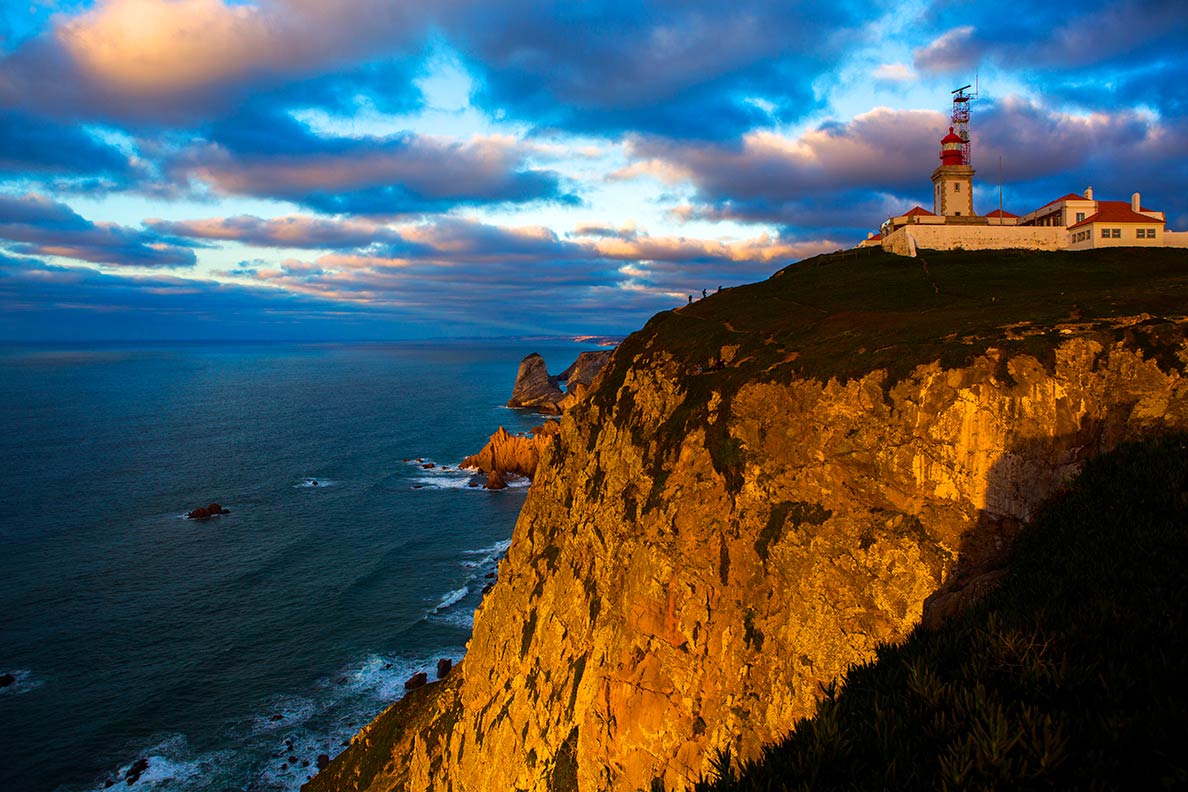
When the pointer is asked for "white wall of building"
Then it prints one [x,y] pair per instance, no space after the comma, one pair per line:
[967,237]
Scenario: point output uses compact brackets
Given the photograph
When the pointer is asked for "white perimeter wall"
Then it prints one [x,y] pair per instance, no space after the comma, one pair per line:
[1170,239]
[966,237]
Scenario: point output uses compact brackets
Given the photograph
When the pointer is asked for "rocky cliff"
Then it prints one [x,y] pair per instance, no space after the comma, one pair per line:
[763,487]
[506,454]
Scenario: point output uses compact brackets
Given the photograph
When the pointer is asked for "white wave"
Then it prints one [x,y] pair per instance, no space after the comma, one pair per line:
[449,479]
[314,483]
[452,598]
[23,682]
[499,548]
[284,712]
[169,765]
[458,618]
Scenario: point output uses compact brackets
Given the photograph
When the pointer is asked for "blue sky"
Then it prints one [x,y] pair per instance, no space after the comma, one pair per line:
[378,169]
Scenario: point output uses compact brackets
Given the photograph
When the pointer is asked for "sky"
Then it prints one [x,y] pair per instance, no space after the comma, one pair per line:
[384,169]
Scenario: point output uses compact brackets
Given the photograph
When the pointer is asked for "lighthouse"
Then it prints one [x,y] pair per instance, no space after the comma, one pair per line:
[952,181]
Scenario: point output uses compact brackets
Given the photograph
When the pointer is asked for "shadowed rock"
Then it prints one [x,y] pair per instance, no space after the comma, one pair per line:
[534,388]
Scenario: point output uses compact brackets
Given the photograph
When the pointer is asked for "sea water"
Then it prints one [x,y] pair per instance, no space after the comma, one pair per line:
[229,653]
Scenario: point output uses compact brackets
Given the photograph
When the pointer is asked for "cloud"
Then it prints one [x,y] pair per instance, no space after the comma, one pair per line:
[177,61]
[953,51]
[277,157]
[826,178]
[687,70]
[850,176]
[293,231]
[895,72]
[453,269]
[1102,54]
[29,144]
[40,301]
[35,225]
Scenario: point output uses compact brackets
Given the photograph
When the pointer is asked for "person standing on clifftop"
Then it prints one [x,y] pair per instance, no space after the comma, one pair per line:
[703,294]
[690,299]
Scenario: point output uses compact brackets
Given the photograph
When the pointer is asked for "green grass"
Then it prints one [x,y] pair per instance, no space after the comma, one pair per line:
[1070,676]
[846,314]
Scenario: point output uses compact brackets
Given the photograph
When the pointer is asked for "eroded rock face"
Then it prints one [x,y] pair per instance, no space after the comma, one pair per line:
[583,370]
[507,454]
[665,597]
[534,387]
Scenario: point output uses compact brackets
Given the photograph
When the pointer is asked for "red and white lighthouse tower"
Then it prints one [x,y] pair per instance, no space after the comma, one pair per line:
[952,182]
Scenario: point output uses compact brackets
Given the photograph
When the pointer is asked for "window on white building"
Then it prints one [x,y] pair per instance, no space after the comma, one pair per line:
[1080,216]
[1105,233]
[956,186]
[1140,233]
[1116,233]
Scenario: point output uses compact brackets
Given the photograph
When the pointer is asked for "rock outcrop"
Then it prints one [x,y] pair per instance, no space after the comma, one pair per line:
[704,547]
[507,454]
[205,512]
[534,388]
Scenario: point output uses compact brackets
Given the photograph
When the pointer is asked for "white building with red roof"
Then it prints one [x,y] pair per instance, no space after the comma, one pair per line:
[1071,222]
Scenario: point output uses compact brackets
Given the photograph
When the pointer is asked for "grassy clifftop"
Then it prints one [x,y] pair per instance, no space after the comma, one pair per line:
[845,314]
[1070,676]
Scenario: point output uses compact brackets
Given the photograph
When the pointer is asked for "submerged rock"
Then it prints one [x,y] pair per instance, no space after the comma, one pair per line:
[6,680]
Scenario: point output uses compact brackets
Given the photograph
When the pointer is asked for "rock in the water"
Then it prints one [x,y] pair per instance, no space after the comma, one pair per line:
[495,480]
[203,512]
[443,667]
[534,387]
[6,680]
[417,680]
[136,770]
[512,454]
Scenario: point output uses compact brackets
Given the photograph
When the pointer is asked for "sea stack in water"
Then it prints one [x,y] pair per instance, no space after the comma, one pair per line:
[534,388]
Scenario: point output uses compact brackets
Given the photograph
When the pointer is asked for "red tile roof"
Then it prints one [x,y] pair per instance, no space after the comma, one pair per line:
[917,211]
[1069,197]
[1001,213]
[1116,212]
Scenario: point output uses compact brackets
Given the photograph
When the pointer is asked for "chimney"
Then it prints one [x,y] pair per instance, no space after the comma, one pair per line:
[870,235]
[1135,203]
[1088,193]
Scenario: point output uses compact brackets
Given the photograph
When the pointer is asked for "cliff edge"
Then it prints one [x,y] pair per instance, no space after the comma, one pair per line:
[765,486]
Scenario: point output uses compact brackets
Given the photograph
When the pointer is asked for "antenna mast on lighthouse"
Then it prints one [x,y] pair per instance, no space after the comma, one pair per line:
[960,119]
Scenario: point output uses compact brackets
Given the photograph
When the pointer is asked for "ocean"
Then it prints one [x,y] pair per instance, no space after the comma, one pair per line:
[229,653]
